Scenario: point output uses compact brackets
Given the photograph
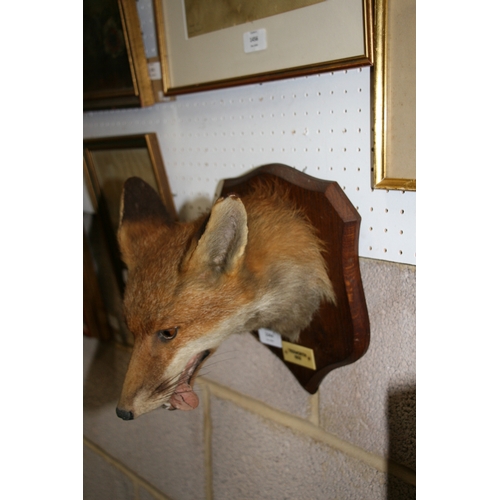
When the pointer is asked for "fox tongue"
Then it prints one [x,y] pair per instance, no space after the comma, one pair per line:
[184,398]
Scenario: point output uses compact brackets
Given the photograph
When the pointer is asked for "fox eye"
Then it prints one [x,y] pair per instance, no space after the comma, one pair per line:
[168,334]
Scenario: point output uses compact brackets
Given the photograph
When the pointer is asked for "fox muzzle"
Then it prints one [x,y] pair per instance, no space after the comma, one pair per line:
[124,414]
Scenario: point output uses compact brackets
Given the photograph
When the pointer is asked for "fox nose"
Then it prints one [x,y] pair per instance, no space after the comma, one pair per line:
[126,415]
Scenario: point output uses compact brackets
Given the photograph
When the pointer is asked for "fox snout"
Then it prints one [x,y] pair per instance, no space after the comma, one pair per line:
[170,387]
[124,414]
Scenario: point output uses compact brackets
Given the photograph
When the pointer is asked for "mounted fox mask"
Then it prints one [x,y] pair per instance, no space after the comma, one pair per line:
[254,262]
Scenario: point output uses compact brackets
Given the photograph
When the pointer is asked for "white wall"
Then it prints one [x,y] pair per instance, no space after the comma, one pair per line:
[319,124]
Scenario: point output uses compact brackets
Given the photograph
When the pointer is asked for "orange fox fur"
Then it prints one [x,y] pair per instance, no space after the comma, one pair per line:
[254,262]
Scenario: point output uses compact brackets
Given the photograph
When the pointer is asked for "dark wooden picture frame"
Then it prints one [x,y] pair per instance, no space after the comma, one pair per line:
[115,71]
[95,320]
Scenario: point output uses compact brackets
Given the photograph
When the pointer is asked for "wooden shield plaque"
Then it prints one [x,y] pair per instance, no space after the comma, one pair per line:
[338,334]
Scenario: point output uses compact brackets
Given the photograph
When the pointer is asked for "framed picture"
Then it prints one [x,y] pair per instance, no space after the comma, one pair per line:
[115,71]
[95,321]
[394,93]
[108,163]
[214,43]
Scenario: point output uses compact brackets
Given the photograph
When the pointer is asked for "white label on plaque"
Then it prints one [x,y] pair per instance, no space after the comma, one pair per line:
[269,337]
[255,40]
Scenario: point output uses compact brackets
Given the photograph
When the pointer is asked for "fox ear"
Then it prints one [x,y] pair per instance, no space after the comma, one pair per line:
[140,201]
[142,213]
[223,243]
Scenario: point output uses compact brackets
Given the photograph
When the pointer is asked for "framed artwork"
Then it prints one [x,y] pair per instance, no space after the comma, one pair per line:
[115,72]
[394,93]
[215,44]
[95,321]
[108,163]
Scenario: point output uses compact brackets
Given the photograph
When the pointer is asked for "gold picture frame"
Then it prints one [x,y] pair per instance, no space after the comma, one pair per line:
[394,96]
[108,163]
[326,36]
[115,70]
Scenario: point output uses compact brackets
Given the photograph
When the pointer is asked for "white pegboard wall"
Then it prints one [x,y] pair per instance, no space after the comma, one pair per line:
[147,20]
[318,124]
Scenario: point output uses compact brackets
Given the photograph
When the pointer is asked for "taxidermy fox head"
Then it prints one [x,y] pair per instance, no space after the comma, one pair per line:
[253,262]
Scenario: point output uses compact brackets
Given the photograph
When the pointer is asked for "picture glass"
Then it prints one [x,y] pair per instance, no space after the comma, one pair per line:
[206,44]
[213,15]
[106,67]
[113,167]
